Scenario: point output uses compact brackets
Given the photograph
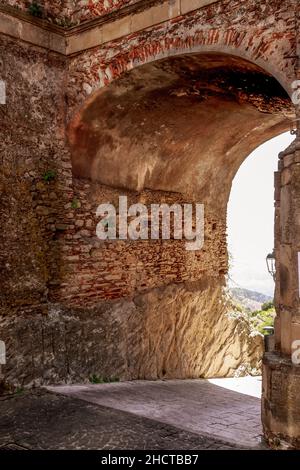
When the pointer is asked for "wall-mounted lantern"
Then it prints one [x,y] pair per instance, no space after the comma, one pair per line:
[293,126]
[271,265]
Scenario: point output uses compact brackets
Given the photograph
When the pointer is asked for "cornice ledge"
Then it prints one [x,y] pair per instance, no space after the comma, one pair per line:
[91,33]
[36,31]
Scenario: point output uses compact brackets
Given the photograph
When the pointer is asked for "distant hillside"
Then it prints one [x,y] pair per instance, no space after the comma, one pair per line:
[248,299]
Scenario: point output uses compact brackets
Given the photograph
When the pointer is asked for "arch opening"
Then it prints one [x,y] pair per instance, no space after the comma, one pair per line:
[174,130]
[251,215]
[177,122]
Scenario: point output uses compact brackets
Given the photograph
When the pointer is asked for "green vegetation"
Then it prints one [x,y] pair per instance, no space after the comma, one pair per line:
[267,306]
[264,317]
[35,9]
[75,204]
[49,175]
[247,303]
[95,379]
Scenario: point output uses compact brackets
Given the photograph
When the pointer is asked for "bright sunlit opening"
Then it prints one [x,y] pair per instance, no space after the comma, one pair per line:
[251,217]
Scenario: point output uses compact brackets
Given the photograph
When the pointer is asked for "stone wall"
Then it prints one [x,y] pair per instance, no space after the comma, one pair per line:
[164,333]
[281,372]
[32,126]
[96,270]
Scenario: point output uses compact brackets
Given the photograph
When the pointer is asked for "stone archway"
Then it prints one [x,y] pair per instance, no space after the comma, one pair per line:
[172,130]
[207,83]
[146,305]
[180,128]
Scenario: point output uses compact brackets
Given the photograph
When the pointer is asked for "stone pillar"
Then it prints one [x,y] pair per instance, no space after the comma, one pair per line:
[281,371]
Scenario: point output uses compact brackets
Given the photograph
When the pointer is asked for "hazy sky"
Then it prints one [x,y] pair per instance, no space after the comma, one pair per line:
[251,217]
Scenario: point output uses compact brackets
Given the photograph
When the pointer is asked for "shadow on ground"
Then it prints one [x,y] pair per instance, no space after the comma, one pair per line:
[160,415]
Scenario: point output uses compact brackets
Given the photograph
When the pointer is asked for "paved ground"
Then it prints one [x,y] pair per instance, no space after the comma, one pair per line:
[226,409]
[44,420]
